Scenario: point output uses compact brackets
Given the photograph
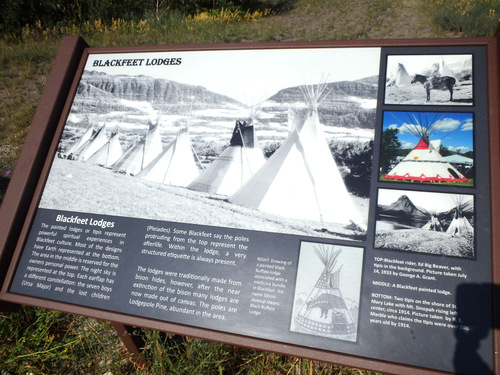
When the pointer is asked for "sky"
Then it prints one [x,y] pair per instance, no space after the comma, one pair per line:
[249,76]
[455,128]
[419,64]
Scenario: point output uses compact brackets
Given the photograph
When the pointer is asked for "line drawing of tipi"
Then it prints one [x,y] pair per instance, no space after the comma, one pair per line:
[324,312]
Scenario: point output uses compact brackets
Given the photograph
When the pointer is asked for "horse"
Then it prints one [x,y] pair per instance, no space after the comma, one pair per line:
[435,83]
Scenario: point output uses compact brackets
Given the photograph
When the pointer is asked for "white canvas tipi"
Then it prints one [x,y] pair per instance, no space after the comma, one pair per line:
[400,77]
[434,224]
[175,165]
[460,226]
[424,163]
[73,151]
[325,312]
[97,140]
[235,165]
[109,153]
[139,155]
[444,70]
[301,179]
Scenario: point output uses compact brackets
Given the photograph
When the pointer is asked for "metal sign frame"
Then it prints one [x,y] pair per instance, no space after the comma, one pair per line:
[21,202]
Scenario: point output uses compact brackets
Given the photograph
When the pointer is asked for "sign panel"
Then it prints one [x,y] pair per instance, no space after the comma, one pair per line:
[325,198]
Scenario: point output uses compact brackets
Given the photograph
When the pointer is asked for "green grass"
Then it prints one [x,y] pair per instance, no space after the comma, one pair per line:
[36,341]
[469,17]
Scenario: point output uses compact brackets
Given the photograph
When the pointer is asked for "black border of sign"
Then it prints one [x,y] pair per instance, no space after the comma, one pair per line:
[24,191]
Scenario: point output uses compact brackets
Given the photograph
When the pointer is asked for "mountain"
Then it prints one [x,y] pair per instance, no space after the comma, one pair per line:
[128,103]
[106,92]
[349,104]
[403,208]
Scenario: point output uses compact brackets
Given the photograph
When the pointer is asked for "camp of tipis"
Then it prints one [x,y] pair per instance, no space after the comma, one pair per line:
[302,170]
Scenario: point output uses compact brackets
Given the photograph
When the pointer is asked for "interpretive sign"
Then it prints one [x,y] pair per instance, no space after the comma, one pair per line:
[333,200]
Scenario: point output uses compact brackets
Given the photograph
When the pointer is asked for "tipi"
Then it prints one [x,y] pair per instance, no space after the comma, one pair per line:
[139,155]
[325,312]
[460,226]
[98,139]
[400,77]
[301,179]
[84,139]
[235,165]
[175,165]
[424,163]
[109,153]
[434,224]
[444,70]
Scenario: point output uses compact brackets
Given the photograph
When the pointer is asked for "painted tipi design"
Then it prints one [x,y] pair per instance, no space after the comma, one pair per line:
[301,179]
[139,155]
[175,165]
[424,163]
[235,165]
[325,312]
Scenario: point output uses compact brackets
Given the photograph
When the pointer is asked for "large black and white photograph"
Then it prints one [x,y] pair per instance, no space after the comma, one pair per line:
[326,300]
[425,222]
[427,147]
[429,80]
[267,140]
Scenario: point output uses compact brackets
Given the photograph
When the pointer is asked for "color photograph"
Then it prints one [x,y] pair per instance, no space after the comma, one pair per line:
[427,147]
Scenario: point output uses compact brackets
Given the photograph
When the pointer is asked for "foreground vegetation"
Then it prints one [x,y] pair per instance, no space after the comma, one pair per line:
[45,342]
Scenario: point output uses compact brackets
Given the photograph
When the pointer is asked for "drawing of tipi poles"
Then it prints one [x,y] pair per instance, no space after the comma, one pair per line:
[325,312]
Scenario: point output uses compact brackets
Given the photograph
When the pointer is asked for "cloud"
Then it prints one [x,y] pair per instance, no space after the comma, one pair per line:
[410,129]
[407,145]
[447,125]
[459,149]
[467,125]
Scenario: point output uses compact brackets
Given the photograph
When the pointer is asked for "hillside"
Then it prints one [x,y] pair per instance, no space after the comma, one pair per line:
[101,86]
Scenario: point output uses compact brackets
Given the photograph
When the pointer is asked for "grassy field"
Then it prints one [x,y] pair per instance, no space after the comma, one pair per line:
[36,341]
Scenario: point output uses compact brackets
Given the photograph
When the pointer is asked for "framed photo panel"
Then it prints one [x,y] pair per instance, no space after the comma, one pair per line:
[331,200]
